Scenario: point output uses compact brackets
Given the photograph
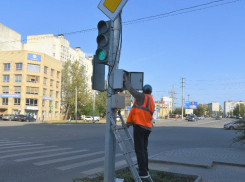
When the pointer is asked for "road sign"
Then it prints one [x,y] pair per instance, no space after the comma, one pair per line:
[52,107]
[111,8]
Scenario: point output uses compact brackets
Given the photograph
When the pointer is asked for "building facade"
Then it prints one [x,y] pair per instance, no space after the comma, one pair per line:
[213,107]
[10,40]
[30,84]
[229,106]
[59,48]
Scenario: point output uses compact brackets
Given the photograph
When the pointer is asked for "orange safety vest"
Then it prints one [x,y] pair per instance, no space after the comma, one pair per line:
[142,114]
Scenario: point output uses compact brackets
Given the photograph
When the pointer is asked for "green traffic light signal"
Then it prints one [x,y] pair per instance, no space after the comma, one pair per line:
[101,54]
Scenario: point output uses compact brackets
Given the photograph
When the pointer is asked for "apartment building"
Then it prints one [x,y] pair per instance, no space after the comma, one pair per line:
[230,106]
[214,107]
[59,48]
[10,40]
[30,83]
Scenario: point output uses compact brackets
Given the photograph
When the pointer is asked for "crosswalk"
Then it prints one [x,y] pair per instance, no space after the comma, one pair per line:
[58,158]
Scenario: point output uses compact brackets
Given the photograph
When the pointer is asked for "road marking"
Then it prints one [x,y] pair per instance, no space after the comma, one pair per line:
[80,164]
[37,152]
[15,144]
[67,158]
[101,169]
[50,155]
[10,147]
[3,142]
[34,148]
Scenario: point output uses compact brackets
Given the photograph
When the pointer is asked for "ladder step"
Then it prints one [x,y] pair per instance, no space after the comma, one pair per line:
[128,139]
[121,128]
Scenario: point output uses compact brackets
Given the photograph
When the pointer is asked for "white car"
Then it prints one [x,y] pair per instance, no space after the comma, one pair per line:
[96,118]
[88,118]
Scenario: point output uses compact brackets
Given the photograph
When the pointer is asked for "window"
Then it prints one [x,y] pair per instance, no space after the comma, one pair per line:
[51,93]
[17,101]
[56,104]
[44,81]
[57,84]
[57,94]
[32,90]
[5,78]
[5,101]
[51,83]
[43,103]
[5,90]
[56,114]
[58,74]
[17,90]
[54,54]
[18,78]
[31,102]
[45,69]
[7,67]
[52,72]
[33,68]
[33,78]
[50,103]
[44,92]
[18,66]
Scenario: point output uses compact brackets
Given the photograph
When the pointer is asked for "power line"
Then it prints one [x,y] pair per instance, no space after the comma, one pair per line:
[140,20]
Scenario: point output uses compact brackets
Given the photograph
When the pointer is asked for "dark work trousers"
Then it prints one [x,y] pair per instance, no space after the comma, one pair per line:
[141,136]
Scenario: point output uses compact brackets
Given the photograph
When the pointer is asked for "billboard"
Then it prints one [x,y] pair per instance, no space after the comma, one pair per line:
[190,105]
[34,57]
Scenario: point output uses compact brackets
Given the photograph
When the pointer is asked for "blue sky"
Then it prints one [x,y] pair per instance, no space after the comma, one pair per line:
[205,47]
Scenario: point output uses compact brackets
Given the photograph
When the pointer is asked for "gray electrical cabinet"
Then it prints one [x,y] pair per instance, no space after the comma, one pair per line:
[117,102]
[135,78]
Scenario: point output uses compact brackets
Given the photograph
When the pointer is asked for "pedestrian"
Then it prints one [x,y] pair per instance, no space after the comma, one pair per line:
[43,117]
[70,119]
[176,117]
[140,117]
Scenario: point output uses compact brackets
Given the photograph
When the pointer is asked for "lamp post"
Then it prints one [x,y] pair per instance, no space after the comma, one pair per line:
[76,104]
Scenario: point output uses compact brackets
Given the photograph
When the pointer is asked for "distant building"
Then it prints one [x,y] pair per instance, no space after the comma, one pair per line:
[230,106]
[30,82]
[214,107]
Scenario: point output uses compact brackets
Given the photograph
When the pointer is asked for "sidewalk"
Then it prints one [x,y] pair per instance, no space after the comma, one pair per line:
[210,164]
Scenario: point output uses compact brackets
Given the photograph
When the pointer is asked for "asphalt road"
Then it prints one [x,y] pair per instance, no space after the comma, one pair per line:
[34,152]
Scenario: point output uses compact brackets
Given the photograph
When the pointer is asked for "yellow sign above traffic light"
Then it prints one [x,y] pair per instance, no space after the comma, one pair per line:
[111,8]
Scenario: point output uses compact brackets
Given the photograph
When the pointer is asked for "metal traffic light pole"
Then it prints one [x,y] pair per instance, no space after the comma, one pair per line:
[110,142]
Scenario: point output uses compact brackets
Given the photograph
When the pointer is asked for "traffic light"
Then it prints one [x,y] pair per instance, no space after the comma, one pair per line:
[103,41]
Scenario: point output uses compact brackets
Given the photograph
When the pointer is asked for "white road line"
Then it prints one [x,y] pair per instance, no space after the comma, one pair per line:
[50,155]
[101,169]
[10,147]
[80,164]
[67,158]
[27,153]
[14,144]
[33,148]
[9,142]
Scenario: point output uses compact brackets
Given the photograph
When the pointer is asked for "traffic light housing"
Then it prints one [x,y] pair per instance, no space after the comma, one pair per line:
[104,40]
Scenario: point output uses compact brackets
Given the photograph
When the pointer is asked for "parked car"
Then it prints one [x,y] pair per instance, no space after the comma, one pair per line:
[20,118]
[238,117]
[9,117]
[200,117]
[237,124]
[97,118]
[88,118]
[218,117]
[30,118]
[192,118]
[188,116]
[1,116]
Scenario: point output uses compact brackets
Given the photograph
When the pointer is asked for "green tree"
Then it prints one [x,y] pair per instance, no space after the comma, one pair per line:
[101,103]
[242,110]
[73,75]
[236,110]
[200,110]
[177,111]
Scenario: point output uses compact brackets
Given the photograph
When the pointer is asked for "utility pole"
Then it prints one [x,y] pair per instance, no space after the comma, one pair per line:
[110,142]
[188,97]
[173,93]
[76,104]
[93,105]
[182,99]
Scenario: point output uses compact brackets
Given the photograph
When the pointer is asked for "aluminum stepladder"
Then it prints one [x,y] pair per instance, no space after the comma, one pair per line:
[123,148]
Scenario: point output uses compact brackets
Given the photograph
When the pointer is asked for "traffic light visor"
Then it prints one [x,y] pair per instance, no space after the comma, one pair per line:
[103,26]
[102,40]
